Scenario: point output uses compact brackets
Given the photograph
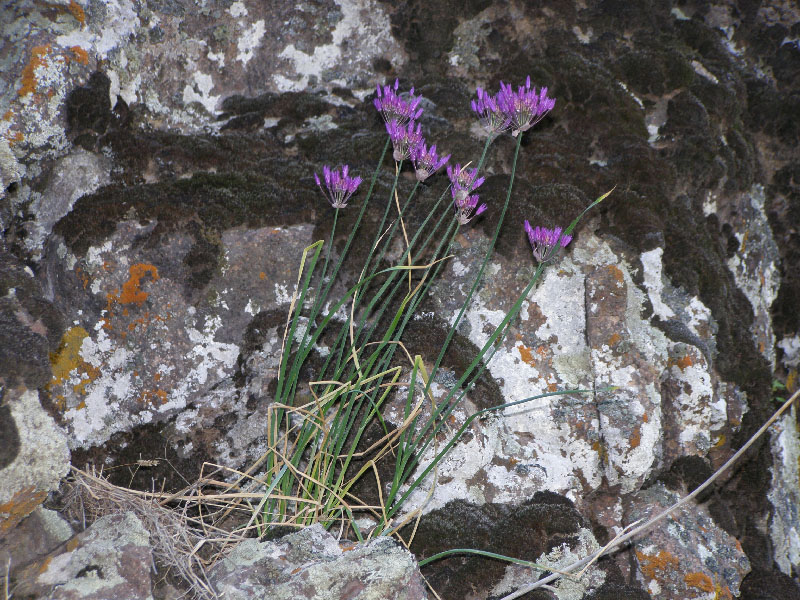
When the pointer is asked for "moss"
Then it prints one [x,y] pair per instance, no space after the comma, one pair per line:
[655,70]
[525,531]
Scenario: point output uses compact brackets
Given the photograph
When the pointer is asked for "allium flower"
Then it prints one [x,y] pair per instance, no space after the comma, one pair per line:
[340,186]
[405,138]
[545,241]
[426,160]
[525,107]
[393,108]
[467,208]
[464,181]
[494,120]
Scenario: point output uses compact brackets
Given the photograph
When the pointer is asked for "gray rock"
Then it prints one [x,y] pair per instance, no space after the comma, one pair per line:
[111,559]
[687,555]
[38,455]
[311,564]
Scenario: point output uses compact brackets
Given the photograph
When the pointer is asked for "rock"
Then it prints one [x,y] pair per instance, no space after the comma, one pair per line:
[311,564]
[784,493]
[687,555]
[111,559]
[30,326]
[156,164]
[546,529]
[34,456]
[38,534]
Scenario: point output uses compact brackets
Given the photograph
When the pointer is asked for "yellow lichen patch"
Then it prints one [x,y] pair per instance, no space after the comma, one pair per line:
[38,54]
[791,381]
[67,360]
[650,564]
[18,507]
[720,442]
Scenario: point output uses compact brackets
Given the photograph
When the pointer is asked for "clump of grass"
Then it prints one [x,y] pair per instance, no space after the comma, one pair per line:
[316,455]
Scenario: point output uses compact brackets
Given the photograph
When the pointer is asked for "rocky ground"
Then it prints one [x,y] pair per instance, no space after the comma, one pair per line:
[157,160]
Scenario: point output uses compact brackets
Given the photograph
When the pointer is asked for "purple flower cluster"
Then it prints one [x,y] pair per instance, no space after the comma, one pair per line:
[406,134]
[518,110]
[395,108]
[405,138]
[340,186]
[494,120]
[463,182]
[545,242]
[426,160]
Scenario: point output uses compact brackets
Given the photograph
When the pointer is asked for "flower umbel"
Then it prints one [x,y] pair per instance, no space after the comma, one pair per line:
[467,208]
[405,138]
[340,186]
[525,107]
[494,120]
[545,242]
[393,108]
[426,160]
[464,181]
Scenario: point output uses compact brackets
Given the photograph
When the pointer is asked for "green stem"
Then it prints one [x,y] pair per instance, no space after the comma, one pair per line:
[486,259]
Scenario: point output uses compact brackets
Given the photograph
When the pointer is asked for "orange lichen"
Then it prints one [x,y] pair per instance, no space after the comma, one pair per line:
[262,275]
[80,54]
[77,11]
[154,397]
[614,339]
[617,274]
[601,450]
[636,437]
[21,504]
[649,564]
[701,581]
[682,363]
[526,355]
[14,137]
[38,54]
[131,290]
[82,276]
[645,418]
[704,583]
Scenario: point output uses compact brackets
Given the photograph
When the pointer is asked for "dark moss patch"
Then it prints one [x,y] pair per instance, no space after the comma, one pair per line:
[525,531]
[204,206]
[783,211]
[655,70]
[30,327]
[173,470]
[9,435]
[770,584]
[426,336]
[618,591]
